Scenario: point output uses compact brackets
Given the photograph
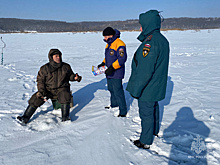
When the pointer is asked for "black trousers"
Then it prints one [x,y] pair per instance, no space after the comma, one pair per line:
[62,95]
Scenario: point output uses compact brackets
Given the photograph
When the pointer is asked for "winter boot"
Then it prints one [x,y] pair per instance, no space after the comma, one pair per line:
[121,115]
[27,114]
[65,110]
[141,145]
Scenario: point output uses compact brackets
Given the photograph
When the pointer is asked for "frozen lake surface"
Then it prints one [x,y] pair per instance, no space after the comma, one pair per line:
[190,113]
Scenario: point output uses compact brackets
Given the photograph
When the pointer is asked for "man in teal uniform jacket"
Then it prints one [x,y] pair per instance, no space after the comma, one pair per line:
[149,73]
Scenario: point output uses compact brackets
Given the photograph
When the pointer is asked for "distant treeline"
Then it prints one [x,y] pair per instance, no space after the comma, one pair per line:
[13,25]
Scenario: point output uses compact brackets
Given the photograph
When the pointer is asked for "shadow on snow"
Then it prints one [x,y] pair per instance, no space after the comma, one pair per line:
[186,134]
[85,95]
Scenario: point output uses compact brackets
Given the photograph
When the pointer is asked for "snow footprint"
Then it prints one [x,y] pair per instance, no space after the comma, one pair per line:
[26,86]
[34,89]
[136,126]
[25,96]
[137,120]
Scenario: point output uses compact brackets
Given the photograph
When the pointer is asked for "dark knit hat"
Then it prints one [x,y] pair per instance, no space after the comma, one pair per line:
[108,31]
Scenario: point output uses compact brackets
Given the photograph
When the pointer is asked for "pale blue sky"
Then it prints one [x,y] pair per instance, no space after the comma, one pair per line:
[105,10]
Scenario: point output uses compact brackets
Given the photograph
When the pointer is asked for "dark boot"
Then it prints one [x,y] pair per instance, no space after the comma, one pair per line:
[121,115]
[27,114]
[141,145]
[65,110]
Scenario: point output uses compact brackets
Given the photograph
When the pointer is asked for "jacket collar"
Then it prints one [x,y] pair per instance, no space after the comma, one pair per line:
[111,40]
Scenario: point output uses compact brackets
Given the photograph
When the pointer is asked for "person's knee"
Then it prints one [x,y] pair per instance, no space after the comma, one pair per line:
[64,97]
[34,101]
[146,110]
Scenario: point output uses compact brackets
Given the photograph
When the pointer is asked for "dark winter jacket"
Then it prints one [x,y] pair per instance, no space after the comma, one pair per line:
[116,55]
[53,77]
[148,78]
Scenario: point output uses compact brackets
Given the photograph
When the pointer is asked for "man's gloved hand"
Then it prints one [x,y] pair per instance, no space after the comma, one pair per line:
[110,70]
[102,64]
[42,96]
[39,95]
[78,78]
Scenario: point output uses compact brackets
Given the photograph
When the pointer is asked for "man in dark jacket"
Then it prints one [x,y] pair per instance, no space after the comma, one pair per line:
[52,82]
[149,73]
[115,58]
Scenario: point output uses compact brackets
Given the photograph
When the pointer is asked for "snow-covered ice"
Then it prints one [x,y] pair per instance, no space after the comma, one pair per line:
[189,115]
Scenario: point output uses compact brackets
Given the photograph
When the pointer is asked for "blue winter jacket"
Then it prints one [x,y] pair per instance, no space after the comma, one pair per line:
[115,55]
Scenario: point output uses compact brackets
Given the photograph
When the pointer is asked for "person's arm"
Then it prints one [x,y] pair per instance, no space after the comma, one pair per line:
[74,77]
[41,86]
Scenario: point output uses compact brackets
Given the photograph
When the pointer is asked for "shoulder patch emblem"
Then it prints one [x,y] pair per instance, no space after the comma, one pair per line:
[147,45]
[121,52]
[146,49]
[112,52]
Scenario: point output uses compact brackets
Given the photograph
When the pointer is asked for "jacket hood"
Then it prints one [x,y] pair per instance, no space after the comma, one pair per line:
[52,52]
[53,65]
[117,35]
[150,21]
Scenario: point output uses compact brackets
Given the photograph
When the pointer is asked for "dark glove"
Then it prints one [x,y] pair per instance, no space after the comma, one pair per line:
[79,78]
[109,71]
[39,95]
[102,64]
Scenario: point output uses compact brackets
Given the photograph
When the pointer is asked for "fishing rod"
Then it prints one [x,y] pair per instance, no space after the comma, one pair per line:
[2,50]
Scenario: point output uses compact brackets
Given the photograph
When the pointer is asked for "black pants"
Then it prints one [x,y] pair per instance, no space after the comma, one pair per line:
[63,96]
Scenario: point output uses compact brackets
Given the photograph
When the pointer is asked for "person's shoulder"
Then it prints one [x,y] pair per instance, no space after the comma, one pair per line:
[158,35]
[120,42]
[66,65]
[45,66]
[106,46]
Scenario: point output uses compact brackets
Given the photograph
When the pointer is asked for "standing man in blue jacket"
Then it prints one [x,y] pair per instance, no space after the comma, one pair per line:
[149,73]
[115,58]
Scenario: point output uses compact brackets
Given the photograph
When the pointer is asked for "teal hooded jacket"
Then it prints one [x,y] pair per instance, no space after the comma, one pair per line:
[149,72]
